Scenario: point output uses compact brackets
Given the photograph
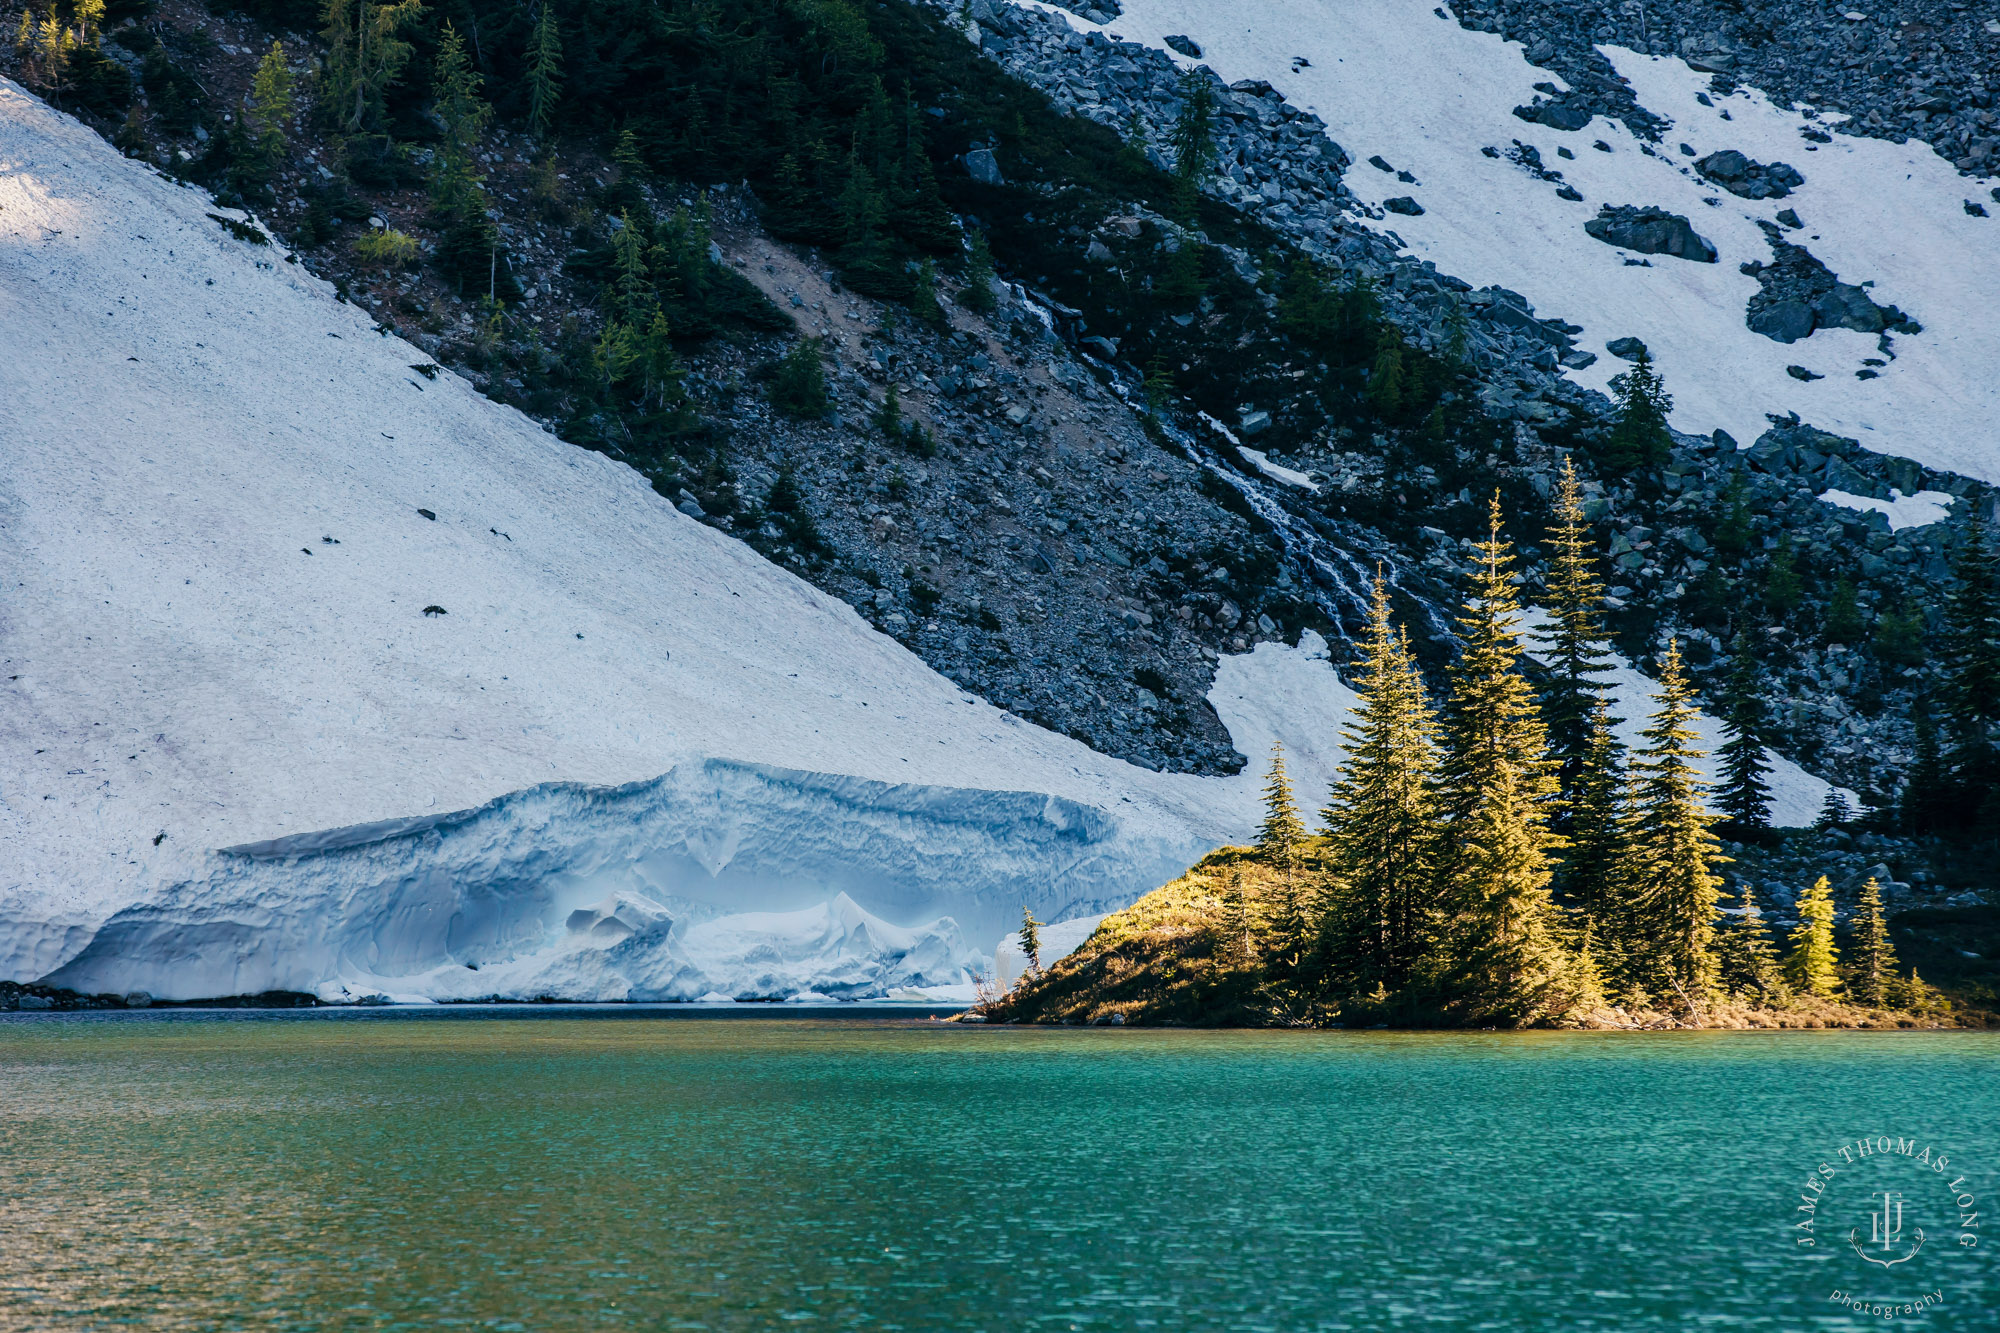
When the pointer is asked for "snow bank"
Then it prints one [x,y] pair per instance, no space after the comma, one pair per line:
[1904,511]
[1277,472]
[1059,940]
[1401,80]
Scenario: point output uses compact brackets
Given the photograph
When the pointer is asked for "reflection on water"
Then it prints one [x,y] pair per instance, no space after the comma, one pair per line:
[555,1173]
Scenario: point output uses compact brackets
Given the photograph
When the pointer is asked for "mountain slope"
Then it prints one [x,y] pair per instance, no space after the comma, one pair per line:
[219,553]
[326,673]
[1396,80]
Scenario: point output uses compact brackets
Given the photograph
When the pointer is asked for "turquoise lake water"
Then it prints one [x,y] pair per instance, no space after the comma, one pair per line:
[557,1172]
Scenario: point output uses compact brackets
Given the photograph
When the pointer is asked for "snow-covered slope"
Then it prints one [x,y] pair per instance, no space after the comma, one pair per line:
[320,674]
[1400,80]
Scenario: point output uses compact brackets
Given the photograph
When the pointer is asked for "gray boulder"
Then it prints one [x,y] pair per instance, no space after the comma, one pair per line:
[981,165]
[1650,231]
[1783,321]
[1747,178]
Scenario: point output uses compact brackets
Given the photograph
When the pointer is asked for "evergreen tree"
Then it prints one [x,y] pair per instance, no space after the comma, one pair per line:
[270,113]
[1811,965]
[1235,918]
[1579,648]
[544,70]
[1834,811]
[1972,644]
[1386,380]
[1899,635]
[469,249]
[889,416]
[924,305]
[867,260]
[798,387]
[1674,853]
[1745,797]
[365,55]
[1844,620]
[1871,956]
[978,292]
[1193,137]
[1497,791]
[1732,535]
[1283,833]
[1639,436]
[1381,848]
[1593,875]
[1923,797]
[1746,958]
[1031,939]
[1782,585]
[660,367]
[632,293]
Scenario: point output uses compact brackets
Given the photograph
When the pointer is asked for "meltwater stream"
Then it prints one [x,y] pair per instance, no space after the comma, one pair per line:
[361,1171]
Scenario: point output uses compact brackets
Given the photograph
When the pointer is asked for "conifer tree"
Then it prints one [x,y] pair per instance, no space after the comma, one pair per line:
[1235,920]
[1923,795]
[1834,811]
[798,388]
[1783,587]
[1972,643]
[1746,958]
[866,259]
[1593,875]
[632,288]
[1031,939]
[1381,847]
[1871,955]
[270,112]
[365,55]
[544,70]
[1386,387]
[889,416]
[1579,646]
[1193,137]
[978,293]
[1639,436]
[1674,853]
[1745,797]
[1845,622]
[924,305]
[1497,789]
[1811,967]
[1282,834]
[1732,535]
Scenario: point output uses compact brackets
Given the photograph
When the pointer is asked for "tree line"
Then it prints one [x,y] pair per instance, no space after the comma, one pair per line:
[1497,858]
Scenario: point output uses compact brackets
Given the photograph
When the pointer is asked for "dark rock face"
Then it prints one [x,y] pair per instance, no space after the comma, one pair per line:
[1405,205]
[1097,11]
[1797,294]
[1749,179]
[1186,46]
[1569,114]
[1921,69]
[1650,231]
[1625,349]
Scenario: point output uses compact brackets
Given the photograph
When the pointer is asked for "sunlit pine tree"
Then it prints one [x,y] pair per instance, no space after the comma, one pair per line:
[1674,850]
[1812,965]
[1380,818]
[1497,790]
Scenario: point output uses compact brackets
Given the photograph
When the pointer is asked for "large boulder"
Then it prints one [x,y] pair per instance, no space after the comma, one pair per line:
[1747,178]
[1650,231]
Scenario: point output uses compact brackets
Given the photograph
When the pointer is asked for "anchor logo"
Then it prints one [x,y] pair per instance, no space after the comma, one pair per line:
[1885,1230]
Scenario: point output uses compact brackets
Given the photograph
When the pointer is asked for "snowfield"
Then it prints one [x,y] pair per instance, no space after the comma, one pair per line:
[1400,80]
[318,674]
